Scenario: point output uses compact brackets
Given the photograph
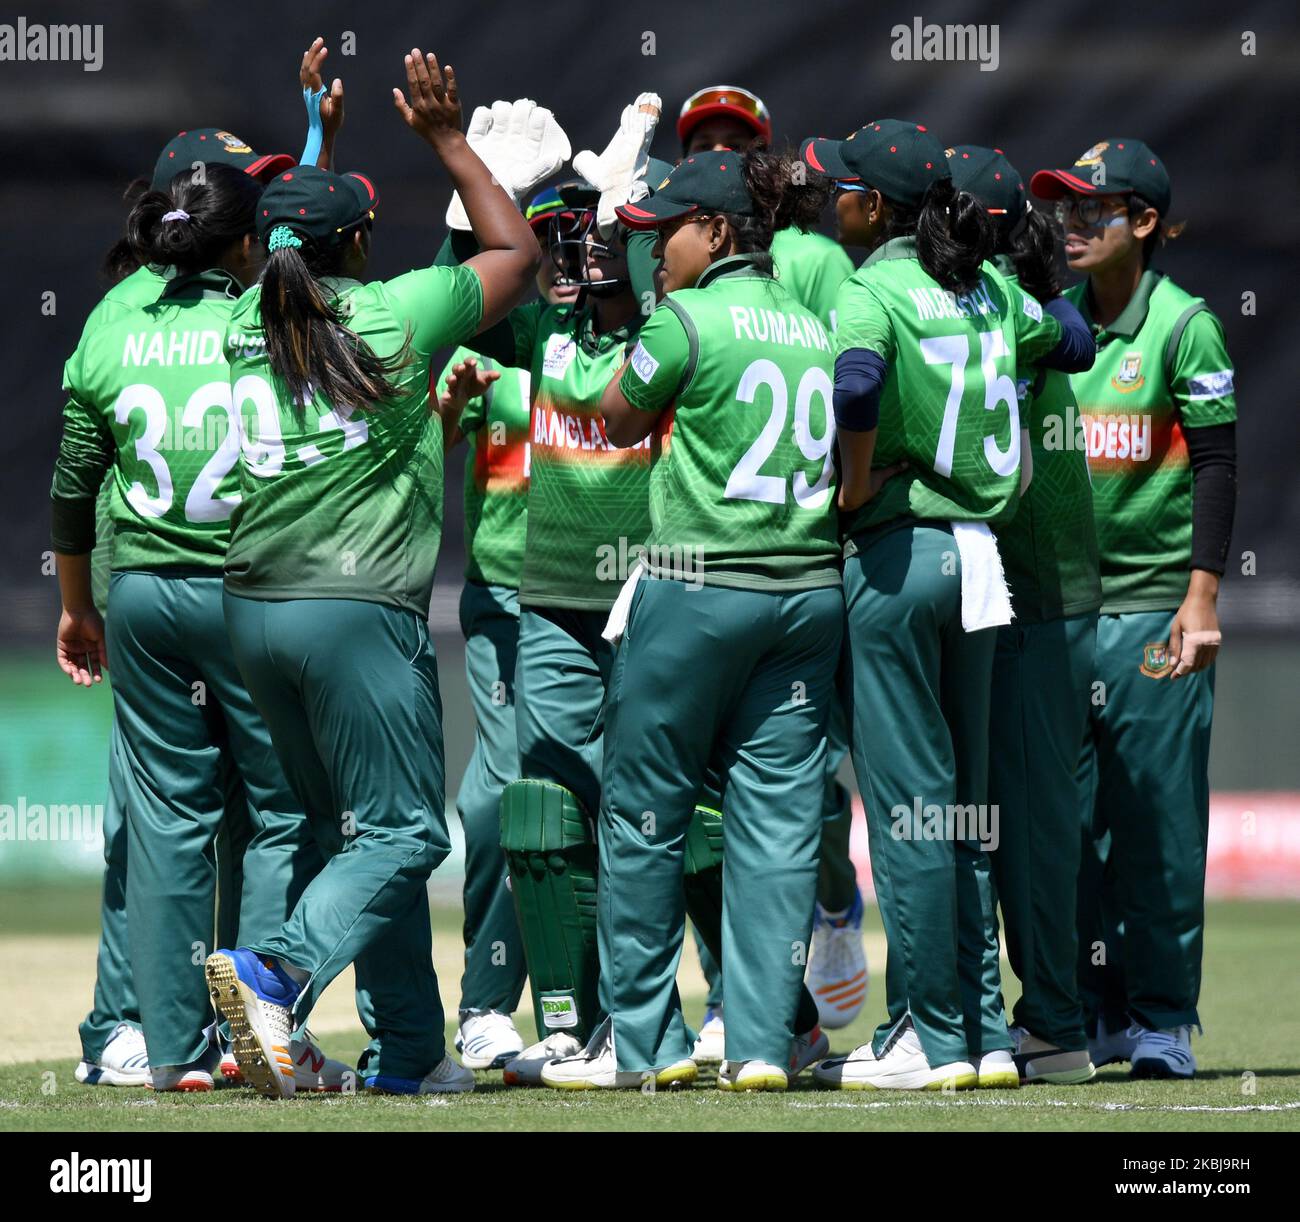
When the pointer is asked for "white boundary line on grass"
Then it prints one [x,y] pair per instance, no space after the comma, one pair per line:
[1090,1107]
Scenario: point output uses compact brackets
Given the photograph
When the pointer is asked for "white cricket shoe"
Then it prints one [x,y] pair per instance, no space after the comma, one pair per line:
[1109,1047]
[255,996]
[807,1049]
[196,1076]
[997,1071]
[711,1043]
[837,971]
[124,1061]
[447,1078]
[487,1040]
[752,1075]
[1039,1061]
[312,1069]
[1163,1054]
[526,1068]
[901,1066]
[596,1068]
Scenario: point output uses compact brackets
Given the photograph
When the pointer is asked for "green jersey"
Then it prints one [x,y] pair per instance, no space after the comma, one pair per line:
[1136,400]
[1049,549]
[742,493]
[588,500]
[949,404]
[149,395]
[142,287]
[341,504]
[495,426]
[812,267]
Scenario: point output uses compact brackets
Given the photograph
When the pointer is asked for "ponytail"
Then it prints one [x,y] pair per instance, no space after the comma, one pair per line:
[954,235]
[306,343]
[120,260]
[193,223]
[1032,245]
[783,196]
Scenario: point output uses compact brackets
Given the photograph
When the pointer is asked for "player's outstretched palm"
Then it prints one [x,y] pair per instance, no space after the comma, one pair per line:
[434,110]
[331,102]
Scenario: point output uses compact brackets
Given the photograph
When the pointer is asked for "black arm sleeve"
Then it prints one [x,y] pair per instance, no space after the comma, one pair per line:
[859,378]
[498,341]
[1076,349]
[1213,454]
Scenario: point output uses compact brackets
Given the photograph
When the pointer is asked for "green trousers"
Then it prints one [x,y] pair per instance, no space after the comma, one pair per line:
[184,721]
[837,879]
[349,690]
[742,681]
[115,1000]
[920,723]
[1146,814]
[495,968]
[1042,681]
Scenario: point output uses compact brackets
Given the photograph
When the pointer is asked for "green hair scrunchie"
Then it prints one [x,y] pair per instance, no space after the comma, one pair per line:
[282,236]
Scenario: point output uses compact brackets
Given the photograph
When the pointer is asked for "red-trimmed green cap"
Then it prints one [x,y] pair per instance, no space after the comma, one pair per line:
[1118,166]
[707,183]
[212,145]
[898,158]
[315,204]
[730,100]
[987,175]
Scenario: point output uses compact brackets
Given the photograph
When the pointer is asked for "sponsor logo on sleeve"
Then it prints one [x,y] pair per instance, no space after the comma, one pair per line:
[1216,385]
[643,363]
[1033,309]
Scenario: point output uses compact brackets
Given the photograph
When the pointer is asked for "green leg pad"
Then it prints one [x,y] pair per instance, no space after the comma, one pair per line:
[551,855]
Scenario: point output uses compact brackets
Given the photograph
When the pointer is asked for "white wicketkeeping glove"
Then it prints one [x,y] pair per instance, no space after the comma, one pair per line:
[520,142]
[624,160]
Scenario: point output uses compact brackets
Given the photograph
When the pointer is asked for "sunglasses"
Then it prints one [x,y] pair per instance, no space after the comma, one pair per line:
[727,95]
[1090,209]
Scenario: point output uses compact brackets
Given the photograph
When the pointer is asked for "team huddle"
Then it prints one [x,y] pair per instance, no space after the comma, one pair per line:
[734,508]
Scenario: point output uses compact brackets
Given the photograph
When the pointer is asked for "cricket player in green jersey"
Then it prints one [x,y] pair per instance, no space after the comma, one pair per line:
[327,588]
[112,1045]
[923,582]
[1158,419]
[588,512]
[494,425]
[732,639]
[143,401]
[1043,665]
[812,268]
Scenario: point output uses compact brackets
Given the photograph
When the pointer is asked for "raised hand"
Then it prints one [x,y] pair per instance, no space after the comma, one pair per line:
[434,110]
[329,102]
[624,159]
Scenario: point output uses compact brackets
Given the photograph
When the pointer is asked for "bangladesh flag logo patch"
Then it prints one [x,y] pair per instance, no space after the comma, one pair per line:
[1155,660]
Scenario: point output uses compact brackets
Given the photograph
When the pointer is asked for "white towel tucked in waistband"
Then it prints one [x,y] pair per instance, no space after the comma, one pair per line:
[617,621]
[985,599]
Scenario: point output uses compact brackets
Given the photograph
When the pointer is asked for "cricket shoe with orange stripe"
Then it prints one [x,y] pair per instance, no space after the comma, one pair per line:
[837,973]
[255,995]
[312,1069]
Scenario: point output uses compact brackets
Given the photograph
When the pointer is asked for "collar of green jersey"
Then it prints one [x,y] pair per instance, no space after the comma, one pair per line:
[211,284]
[732,265]
[1133,315]
[591,341]
[895,248]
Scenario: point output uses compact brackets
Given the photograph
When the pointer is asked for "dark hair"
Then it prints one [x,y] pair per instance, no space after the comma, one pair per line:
[1032,245]
[120,261]
[1164,231]
[784,194]
[306,342]
[954,234]
[220,207]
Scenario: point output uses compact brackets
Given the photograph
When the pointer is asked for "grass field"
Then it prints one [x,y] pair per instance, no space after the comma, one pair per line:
[1249,1055]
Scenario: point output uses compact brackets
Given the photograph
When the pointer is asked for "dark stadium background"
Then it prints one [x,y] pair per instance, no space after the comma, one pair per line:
[1069,75]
